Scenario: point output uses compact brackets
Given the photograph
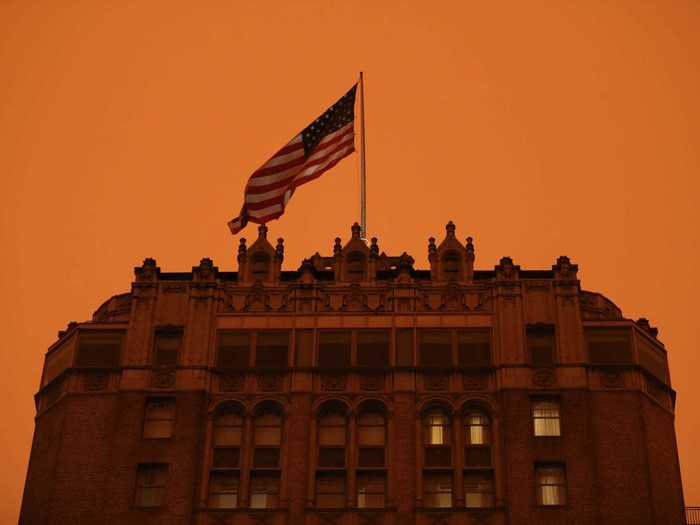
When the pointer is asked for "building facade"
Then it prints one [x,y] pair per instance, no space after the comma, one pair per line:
[356,390]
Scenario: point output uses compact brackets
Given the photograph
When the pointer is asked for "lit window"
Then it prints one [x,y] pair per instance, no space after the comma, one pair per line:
[437,490]
[551,484]
[150,485]
[436,428]
[158,421]
[478,490]
[223,490]
[477,429]
[545,416]
[330,490]
[264,490]
[371,489]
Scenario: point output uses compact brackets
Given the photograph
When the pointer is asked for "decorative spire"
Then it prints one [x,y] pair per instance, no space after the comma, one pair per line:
[374,248]
[450,229]
[432,249]
[262,231]
[242,250]
[470,249]
[337,248]
[279,249]
[356,229]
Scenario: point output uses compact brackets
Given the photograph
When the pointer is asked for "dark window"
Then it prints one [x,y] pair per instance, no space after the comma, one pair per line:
[304,348]
[332,436]
[551,484]
[261,266]
[356,266]
[226,457]
[450,266]
[334,349]
[478,489]
[435,348]
[373,348]
[234,350]
[609,346]
[158,420]
[438,457]
[99,349]
[266,458]
[474,348]
[150,485]
[228,435]
[330,490]
[271,349]
[437,490]
[267,438]
[223,490]
[404,347]
[167,347]
[541,344]
[331,457]
[264,490]
[371,490]
[653,359]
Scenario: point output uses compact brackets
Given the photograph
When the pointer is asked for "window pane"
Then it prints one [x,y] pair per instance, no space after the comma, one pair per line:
[331,457]
[268,430]
[266,458]
[330,490]
[234,350]
[271,349]
[371,457]
[99,349]
[373,348]
[228,429]
[264,491]
[334,349]
[167,345]
[150,485]
[546,418]
[541,343]
[159,417]
[478,490]
[474,348]
[436,430]
[477,456]
[404,347]
[226,458]
[438,456]
[370,490]
[371,435]
[551,485]
[477,429]
[223,490]
[437,490]
[332,429]
[435,348]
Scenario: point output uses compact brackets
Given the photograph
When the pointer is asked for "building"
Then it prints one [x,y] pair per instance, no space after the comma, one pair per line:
[356,390]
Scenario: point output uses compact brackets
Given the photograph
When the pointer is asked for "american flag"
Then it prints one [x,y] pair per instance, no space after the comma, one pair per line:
[319,147]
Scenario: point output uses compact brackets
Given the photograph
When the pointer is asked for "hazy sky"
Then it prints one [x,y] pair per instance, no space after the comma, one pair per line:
[128,129]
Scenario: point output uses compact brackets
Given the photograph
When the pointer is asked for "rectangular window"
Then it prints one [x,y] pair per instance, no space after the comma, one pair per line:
[266,458]
[437,490]
[234,350]
[330,490]
[546,417]
[223,490]
[373,348]
[159,418]
[150,485]
[331,457]
[541,344]
[474,347]
[264,490]
[334,349]
[304,348]
[477,456]
[272,349]
[404,347]
[609,346]
[551,484]
[167,347]
[438,456]
[478,489]
[371,490]
[99,349]
[226,457]
[435,348]
[371,457]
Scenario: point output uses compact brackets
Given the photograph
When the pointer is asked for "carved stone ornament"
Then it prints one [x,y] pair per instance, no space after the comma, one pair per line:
[96,381]
[355,300]
[612,379]
[475,381]
[232,382]
[206,271]
[436,381]
[148,271]
[257,300]
[270,382]
[333,382]
[163,378]
[372,382]
[543,377]
[452,298]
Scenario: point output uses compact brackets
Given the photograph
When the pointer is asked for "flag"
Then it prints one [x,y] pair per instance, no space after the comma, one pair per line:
[319,147]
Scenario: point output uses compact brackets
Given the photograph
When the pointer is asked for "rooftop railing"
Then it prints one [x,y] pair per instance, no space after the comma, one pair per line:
[692,515]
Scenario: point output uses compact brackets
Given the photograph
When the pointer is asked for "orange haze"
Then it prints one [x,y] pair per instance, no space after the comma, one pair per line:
[128,129]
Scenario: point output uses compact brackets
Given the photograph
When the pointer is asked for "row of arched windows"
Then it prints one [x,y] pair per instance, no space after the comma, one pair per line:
[351,457]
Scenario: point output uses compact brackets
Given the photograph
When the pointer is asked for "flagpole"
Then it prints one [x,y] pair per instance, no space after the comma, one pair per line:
[363,173]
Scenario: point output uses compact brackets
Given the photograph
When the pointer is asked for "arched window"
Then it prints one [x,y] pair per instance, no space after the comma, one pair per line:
[436,427]
[478,476]
[260,266]
[371,476]
[227,441]
[450,266]
[477,428]
[331,474]
[356,266]
[265,477]
[437,456]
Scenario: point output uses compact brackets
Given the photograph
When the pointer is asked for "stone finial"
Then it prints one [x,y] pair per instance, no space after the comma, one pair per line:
[405,262]
[71,326]
[470,248]
[262,231]
[450,229]
[564,269]
[432,249]
[356,231]
[148,270]
[242,250]
[206,271]
[374,248]
[506,269]
[279,249]
[643,323]
[337,248]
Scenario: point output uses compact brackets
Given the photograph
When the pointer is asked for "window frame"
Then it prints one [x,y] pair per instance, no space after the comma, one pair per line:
[142,471]
[172,402]
[563,485]
[534,418]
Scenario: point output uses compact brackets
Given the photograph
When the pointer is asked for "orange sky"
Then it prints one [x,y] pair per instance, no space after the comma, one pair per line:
[541,128]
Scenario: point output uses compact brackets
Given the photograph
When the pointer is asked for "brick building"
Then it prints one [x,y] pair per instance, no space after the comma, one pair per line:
[356,390]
